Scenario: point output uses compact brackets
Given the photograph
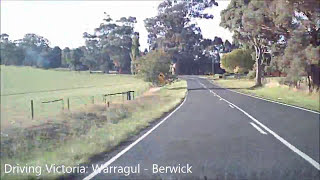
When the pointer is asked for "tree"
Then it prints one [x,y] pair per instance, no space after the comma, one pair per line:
[227,46]
[251,24]
[115,38]
[54,57]
[75,59]
[10,54]
[35,47]
[271,27]
[300,47]
[91,53]
[65,57]
[172,31]
[135,52]
[237,61]
[95,57]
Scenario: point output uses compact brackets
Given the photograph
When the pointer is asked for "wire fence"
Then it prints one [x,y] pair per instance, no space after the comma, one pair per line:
[48,107]
[25,111]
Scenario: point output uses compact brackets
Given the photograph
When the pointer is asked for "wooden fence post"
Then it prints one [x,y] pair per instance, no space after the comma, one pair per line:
[105,101]
[32,113]
[68,104]
[128,95]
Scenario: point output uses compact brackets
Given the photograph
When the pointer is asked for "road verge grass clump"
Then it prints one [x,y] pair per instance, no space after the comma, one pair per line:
[84,133]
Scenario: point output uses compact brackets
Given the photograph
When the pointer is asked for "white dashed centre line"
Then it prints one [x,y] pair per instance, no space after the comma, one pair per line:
[285,142]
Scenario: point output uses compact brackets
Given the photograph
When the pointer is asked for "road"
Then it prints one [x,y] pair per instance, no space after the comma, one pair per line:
[220,134]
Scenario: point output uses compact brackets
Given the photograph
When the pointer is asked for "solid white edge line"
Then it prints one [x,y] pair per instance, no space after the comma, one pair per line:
[290,146]
[258,128]
[90,176]
[289,105]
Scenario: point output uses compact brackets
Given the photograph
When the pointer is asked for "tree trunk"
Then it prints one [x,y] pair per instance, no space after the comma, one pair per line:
[258,66]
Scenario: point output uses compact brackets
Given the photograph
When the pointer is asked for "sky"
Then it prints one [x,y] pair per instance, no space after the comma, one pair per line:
[64,22]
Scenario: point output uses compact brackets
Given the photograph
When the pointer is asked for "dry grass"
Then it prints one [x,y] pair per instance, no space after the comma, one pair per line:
[273,90]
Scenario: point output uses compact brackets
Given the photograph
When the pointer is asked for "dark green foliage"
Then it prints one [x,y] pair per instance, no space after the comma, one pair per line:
[32,50]
[113,44]
[287,31]
[135,52]
[151,65]
[54,57]
[65,57]
[75,59]
[36,50]
[10,53]
[172,31]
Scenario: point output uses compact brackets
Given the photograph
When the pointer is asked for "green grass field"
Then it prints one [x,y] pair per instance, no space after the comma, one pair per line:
[274,91]
[74,137]
[20,85]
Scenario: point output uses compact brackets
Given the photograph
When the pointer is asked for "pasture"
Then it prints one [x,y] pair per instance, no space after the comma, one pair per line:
[63,137]
[20,85]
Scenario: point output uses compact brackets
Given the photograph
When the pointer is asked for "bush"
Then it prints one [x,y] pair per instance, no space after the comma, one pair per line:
[237,61]
[151,65]
[251,75]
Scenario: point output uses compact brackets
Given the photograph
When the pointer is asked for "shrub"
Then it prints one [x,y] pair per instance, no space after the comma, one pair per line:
[237,61]
[151,65]
[251,75]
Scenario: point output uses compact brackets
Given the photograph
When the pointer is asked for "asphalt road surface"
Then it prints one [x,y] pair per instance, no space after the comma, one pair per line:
[220,134]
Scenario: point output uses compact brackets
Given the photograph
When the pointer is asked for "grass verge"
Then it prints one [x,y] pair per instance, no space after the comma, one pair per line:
[272,90]
[86,133]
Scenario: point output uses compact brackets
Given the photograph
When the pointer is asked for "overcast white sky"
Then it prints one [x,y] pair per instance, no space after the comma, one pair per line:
[63,22]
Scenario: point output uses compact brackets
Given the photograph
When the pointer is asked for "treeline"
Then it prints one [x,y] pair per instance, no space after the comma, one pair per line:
[32,50]
[173,34]
[284,36]
[281,36]
[112,46]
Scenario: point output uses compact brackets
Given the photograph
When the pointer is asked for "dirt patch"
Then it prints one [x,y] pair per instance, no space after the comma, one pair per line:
[151,91]
[272,84]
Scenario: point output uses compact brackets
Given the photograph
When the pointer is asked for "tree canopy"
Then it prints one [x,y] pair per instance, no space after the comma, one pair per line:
[173,31]
[112,40]
[274,27]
